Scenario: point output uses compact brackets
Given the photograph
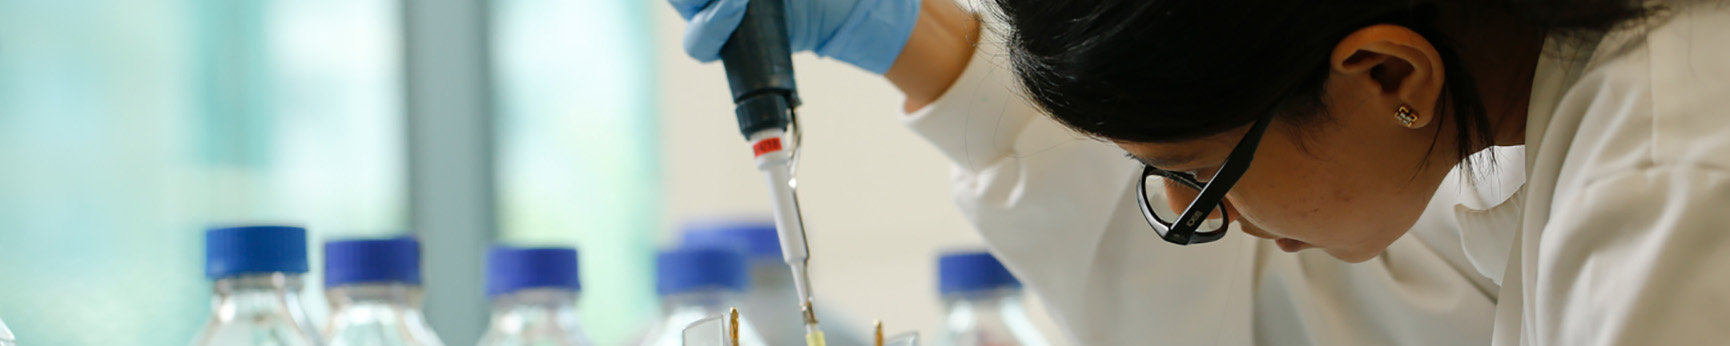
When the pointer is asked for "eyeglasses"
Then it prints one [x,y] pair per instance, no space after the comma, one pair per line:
[1209,198]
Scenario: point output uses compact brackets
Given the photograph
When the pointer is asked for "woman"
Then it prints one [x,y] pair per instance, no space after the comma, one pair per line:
[1353,113]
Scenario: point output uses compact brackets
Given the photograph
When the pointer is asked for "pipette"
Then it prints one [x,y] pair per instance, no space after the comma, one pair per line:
[759,65]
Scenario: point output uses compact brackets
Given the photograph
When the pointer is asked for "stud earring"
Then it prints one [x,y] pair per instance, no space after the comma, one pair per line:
[1406,116]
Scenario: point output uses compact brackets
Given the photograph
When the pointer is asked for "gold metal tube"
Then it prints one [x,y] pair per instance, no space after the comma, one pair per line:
[733,326]
[879,326]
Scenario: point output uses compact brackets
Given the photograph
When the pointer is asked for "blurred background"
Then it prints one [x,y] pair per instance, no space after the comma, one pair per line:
[129,126]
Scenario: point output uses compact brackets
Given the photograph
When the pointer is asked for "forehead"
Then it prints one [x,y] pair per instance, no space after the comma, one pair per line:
[1179,154]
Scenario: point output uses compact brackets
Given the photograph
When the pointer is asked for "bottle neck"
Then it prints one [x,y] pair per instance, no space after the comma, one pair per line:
[374,303]
[397,294]
[711,300]
[1000,306]
[252,295]
[682,309]
[367,310]
[535,309]
[548,298]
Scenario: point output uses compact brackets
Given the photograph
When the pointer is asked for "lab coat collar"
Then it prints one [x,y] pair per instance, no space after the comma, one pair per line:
[1559,67]
[1493,205]
[1490,209]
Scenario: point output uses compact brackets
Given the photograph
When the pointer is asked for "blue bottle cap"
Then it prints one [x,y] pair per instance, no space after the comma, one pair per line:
[510,269]
[230,251]
[372,261]
[695,268]
[756,238]
[972,271]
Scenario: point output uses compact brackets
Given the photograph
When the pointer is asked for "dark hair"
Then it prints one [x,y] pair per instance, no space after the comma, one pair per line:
[1169,70]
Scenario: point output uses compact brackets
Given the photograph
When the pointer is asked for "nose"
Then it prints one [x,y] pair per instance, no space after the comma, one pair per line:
[1178,196]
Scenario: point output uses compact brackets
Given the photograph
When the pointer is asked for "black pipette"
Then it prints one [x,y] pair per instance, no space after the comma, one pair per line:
[759,63]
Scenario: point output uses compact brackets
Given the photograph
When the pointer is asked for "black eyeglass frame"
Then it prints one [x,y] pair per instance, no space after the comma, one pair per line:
[1212,193]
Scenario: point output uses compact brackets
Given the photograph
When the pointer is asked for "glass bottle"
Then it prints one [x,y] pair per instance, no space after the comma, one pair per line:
[257,291]
[771,301]
[982,303]
[374,288]
[697,283]
[6,338]
[534,293]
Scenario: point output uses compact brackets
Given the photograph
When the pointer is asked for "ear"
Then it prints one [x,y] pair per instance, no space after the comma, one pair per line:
[1394,63]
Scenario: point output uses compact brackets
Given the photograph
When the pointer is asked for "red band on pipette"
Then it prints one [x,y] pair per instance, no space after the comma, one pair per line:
[767,145]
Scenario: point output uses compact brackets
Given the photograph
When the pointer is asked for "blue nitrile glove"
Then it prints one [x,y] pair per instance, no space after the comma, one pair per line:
[866,33]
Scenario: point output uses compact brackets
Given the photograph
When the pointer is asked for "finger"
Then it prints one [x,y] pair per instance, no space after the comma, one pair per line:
[689,8]
[711,28]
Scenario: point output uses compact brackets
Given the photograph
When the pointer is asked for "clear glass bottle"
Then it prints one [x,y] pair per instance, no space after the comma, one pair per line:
[6,338]
[696,283]
[534,293]
[375,293]
[257,292]
[982,303]
[771,300]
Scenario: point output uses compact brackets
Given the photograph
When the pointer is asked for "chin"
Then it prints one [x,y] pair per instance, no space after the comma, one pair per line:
[1367,247]
[1353,256]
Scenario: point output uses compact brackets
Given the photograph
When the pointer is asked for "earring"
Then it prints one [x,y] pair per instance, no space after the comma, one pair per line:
[1406,116]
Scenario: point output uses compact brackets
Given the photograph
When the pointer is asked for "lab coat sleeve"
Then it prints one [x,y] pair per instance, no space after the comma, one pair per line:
[1016,171]
[1640,258]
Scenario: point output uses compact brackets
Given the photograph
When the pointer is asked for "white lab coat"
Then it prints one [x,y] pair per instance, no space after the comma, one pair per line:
[1058,210]
[1621,232]
[1613,232]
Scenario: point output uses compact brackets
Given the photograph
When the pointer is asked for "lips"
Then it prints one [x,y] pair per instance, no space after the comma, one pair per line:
[1291,245]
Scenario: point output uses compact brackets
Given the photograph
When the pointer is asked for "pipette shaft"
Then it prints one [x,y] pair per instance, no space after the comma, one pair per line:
[774,159]
[758,58]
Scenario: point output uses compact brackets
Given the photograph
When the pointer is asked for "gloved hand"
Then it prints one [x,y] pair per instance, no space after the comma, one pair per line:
[866,33]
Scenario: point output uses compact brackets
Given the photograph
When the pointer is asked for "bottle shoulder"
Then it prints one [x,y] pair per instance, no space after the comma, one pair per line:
[257,316]
[260,332]
[534,324]
[380,324]
[669,331]
[990,318]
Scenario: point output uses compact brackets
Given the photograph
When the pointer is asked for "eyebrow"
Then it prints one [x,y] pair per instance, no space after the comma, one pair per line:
[1164,162]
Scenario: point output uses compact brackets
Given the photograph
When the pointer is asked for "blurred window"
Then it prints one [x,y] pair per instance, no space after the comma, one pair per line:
[577,153]
[127,127]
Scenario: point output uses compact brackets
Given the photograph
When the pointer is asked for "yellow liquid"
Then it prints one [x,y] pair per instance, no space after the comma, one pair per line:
[814,338]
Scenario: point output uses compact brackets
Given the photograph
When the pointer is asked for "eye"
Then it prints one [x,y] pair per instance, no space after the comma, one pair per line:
[1186,175]
[1207,173]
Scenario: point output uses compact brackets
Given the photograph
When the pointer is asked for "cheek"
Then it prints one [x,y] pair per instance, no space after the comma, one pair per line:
[1333,193]
[1323,193]
[1292,210]
[1289,193]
